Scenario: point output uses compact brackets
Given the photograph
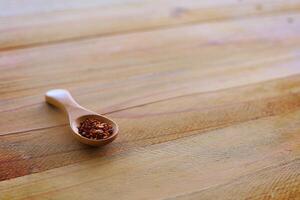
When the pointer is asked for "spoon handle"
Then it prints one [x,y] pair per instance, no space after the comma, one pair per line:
[63,100]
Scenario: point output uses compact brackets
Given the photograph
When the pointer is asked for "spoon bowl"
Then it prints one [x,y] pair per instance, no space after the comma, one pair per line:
[75,124]
[62,99]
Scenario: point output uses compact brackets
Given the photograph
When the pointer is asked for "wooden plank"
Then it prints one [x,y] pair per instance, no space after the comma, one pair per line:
[281,182]
[128,53]
[163,121]
[16,8]
[207,95]
[179,167]
[41,23]
[131,76]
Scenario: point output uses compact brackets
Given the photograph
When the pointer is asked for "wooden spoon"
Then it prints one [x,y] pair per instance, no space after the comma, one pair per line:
[63,100]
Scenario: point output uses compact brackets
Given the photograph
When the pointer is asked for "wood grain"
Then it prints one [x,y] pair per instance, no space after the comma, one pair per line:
[188,64]
[23,25]
[35,153]
[206,93]
[199,162]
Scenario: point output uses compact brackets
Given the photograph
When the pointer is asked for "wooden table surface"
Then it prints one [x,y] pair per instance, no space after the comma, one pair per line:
[206,93]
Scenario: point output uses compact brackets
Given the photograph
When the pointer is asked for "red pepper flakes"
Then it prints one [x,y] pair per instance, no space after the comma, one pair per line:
[95,129]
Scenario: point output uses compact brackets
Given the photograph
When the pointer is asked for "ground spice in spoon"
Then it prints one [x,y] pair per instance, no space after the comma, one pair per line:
[94,129]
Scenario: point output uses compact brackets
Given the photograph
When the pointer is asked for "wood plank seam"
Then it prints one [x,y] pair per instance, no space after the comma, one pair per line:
[160,27]
[197,131]
[145,104]
[238,178]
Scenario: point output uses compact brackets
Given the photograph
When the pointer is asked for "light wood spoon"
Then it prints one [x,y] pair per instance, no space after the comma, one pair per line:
[76,113]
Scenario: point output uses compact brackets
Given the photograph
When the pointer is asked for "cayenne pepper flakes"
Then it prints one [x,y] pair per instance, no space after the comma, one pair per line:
[94,129]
